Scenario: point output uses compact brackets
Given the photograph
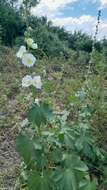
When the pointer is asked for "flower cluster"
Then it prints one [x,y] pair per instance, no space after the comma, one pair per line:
[28,59]
[30,43]
[32,81]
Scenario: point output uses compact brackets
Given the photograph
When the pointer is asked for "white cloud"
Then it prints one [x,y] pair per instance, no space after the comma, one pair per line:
[53,9]
[85,23]
[50,8]
[103,30]
[103,3]
[55,4]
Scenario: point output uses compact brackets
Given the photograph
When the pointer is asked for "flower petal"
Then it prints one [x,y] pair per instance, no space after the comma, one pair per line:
[37,82]
[28,60]
[21,51]
[27,81]
[34,46]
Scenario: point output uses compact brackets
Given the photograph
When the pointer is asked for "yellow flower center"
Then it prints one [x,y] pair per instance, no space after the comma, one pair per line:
[29,61]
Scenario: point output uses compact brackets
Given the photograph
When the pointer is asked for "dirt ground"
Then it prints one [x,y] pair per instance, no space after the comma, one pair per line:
[9,160]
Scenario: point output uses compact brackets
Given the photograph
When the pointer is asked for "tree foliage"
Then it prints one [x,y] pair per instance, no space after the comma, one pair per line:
[10,22]
[53,40]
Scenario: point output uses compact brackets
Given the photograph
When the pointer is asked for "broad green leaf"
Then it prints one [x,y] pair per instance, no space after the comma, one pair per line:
[79,144]
[66,180]
[68,137]
[39,114]
[37,182]
[69,180]
[56,155]
[87,186]
[24,147]
[75,163]
[83,183]
[46,111]
[30,151]
[36,116]
[81,166]
[74,171]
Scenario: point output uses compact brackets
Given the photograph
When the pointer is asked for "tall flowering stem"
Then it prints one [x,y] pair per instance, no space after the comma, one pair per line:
[93,45]
[95,35]
[24,54]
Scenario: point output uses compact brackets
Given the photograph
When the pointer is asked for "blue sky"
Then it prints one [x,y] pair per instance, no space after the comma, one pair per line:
[75,14]
[82,7]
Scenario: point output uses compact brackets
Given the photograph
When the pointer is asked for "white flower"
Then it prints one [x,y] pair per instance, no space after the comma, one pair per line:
[29,41]
[27,81]
[28,59]
[29,28]
[37,101]
[21,51]
[37,82]
[34,46]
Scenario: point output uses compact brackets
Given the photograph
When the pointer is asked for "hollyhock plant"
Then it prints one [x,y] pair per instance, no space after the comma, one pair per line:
[58,153]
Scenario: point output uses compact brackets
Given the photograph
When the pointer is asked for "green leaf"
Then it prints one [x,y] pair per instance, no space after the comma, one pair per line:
[24,147]
[69,181]
[81,166]
[75,163]
[74,171]
[68,137]
[87,185]
[36,116]
[66,180]
[79,144]
[47,111]
[83,183]
[56,155]
[39,114]
[37,182]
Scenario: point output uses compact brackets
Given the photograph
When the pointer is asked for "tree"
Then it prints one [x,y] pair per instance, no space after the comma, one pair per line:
[10,22]
[0,34]
[104,48]
[80,41]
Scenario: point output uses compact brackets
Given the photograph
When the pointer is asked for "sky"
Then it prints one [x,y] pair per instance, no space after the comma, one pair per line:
[74,14]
